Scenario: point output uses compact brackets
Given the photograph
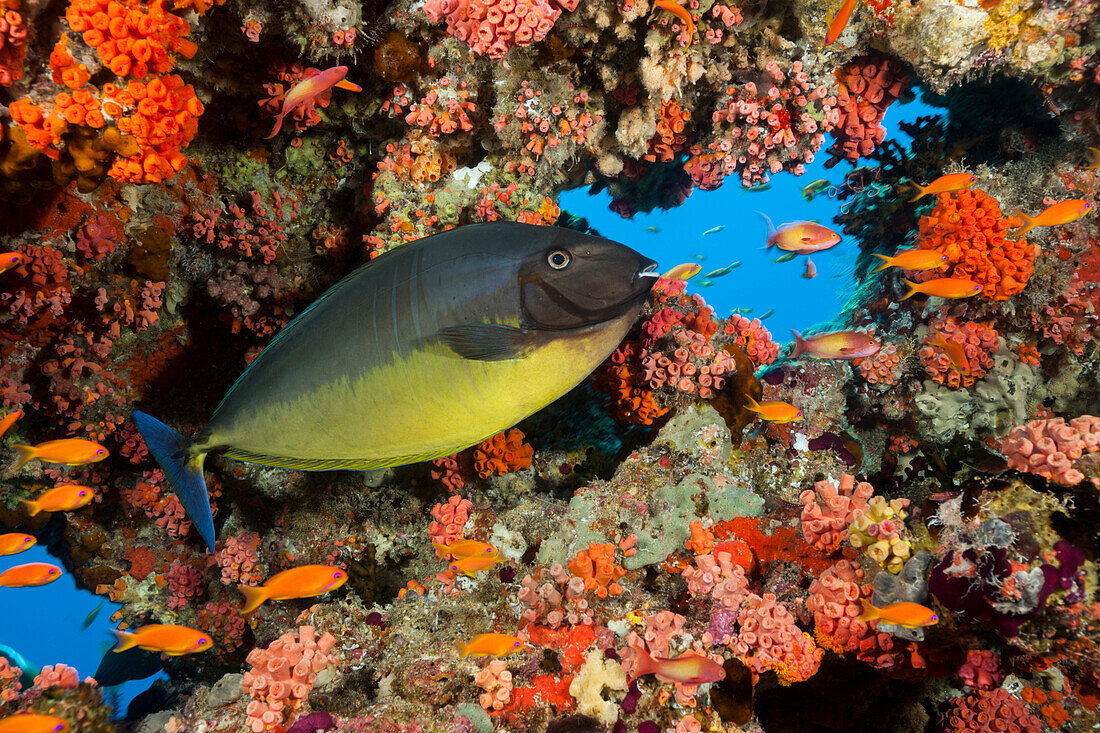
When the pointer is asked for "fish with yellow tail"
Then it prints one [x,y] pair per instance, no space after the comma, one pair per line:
[428,349]
[835,345]
[774,411]
[912,259]
[8,420]
[70,452]
[465,548]
[839,21]
[469,566]
[175,641]
[686,271]
[944,184]
[305,581]
[680,12]
[30,574]
[956,354]
[15,542]
[489,645]
[33,723]
[909,615]
[800,237]
[943,287]
[8,260]
[65,498]
[1054,215]
[310,88]
[686,669]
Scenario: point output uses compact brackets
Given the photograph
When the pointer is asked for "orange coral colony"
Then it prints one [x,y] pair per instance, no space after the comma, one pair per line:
[596,567]
[969,229]
[502,453]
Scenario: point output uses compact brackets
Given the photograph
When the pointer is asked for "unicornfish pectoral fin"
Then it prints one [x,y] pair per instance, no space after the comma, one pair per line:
[487,341]
[183,469]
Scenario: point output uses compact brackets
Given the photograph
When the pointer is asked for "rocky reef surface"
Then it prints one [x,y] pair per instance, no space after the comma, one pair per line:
[165,240]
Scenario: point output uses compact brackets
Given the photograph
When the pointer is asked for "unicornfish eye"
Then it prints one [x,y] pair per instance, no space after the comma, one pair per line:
[558,259]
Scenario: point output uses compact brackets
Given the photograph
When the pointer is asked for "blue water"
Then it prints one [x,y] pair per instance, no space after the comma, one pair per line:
[759,283]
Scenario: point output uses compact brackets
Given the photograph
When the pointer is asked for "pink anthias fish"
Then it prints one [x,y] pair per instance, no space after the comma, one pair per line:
[800,237]
[686,669]
[836,345]
[308,88]
[811,270]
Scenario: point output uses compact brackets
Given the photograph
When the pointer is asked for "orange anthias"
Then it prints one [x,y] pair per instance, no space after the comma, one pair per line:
[777,412]
[9,420]
[33,573]
[955,352]
[687,669]
[15,542]
[909,615]
[493,645]
[685,271]
[945,184]
[839,21]
[70,451]
[466,548]
[172,640]
[944,287]
[680,12]
[1062,212]
[61,499]
[33,723]
[912,259]
[9,260]
[836,345]
[305,581]
[308,89]
[468,566]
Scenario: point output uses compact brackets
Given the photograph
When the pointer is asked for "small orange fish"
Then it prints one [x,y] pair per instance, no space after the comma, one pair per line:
[685,271]
[680,12]
[777,412]
[839,21]
[9,420]
[308,88]
[61,499]
[15,542]
[1062,212]
[8,260]
[1094,159]
[174,641]
[491,645]
[909,615]
[811,270]
[912,259]
[944,287]
[33,723]
[687,669]
[944,184]
[304,581]
[466,548]
[33,573]
[800,237]
[470,565]
[955,352]
[70,451]
[835,345]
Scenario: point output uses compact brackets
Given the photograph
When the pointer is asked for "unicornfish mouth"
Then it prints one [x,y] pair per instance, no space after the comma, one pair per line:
[648,270]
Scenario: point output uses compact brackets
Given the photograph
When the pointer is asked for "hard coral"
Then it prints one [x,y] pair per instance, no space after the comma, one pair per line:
[753,338]
[282,676]
[596,567]
[448,520]
[13,42]
[1050,448]
[239,561]
[769,639]
[131,40]
[867,86]
[494,26]
[985,712]
[496,681]
[503,453]
[829,510]
[185,583]
[968,228]
[877,531]
[882,368]
[978,340]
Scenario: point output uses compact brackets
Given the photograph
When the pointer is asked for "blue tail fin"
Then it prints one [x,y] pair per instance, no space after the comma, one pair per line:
[184,471]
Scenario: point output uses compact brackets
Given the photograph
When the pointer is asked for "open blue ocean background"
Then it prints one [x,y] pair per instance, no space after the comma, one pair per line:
[45,624]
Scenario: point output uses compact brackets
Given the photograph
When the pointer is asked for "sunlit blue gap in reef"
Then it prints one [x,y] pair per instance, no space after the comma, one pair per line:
[45,625]
[759,286]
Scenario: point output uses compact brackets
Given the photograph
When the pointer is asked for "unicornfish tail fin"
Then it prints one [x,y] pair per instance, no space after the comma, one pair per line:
[183,469]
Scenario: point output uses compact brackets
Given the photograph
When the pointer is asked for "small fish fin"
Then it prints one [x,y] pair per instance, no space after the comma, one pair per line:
[26,453]
[32,507]
[253,597]
[125,641]
[799,344]
[886,262]
[345,84]
[463,649]
[754,406]
[870,613]
[771,228]
[278,126]
[643,664]
[1028,219]
[184,471]
[487,341]
[920,191]
[441,549]
[912,289]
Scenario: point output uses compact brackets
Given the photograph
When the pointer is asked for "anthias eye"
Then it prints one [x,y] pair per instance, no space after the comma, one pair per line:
[558,259]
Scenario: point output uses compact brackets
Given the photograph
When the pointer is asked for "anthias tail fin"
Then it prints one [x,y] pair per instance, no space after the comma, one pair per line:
[183,470]
[253,597]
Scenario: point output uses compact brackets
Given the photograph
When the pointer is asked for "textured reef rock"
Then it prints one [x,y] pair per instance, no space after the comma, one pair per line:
[165,241]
